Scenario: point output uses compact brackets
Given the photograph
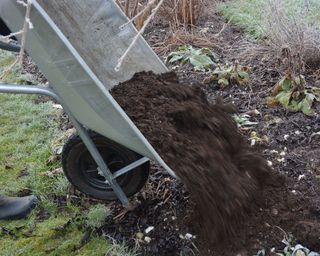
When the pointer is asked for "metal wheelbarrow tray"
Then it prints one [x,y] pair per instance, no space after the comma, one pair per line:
[76,44]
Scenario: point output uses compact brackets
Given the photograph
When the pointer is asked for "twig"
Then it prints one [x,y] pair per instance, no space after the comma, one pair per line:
[26,25]
[7,37]
[153,13]
[223,27]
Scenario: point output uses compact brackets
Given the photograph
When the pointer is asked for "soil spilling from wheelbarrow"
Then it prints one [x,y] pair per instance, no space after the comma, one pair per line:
[201,143]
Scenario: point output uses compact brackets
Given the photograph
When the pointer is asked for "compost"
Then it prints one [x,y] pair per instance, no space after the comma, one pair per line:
[201,143]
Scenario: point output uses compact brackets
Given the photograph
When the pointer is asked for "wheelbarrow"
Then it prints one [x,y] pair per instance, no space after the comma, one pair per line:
[76,45]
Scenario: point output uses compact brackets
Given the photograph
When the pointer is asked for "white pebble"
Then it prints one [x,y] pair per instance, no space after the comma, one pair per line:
[269,163]
[147,239]
[188,236]
[149,229]
[286,136]
[280,160]
[301,176]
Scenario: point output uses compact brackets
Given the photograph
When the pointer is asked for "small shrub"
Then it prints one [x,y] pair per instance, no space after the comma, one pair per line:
[230,74]
[201,59]
[282,24]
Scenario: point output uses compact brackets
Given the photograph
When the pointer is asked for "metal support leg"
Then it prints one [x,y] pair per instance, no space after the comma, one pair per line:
[102,167]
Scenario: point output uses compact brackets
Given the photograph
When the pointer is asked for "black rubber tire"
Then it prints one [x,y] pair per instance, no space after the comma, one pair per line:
[12,47]
[77,161]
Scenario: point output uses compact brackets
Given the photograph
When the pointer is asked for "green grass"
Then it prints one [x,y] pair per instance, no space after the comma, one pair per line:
[28,134]
[250,14]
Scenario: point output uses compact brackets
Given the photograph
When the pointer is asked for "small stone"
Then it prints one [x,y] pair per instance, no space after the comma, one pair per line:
[253,142]
[274,211]
[282,153]
[300,253]
[188,236]
[149,229]
[269,163]
[301,177]
[281,160]
[297,132]
[294,192]
[147,239]
[173,218]
[286,136]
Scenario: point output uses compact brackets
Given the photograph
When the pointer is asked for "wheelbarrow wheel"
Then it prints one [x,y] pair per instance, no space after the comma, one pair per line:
[81,169]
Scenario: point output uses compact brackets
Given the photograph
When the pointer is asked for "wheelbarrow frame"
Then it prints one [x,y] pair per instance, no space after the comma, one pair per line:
[83,133]
[139,142]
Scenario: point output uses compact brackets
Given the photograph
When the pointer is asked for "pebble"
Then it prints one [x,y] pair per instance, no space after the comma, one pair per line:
[269,163]
[274,211]
[188,236]
[286,136]
[300,253]
[149,229]
[281,160]
[147,239]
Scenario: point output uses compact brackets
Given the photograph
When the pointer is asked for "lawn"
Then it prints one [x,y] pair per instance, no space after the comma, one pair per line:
[29,137]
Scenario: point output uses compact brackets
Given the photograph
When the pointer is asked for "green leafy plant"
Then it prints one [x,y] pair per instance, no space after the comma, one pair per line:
[229,74]
[243,121]
[201,59]
[291,92]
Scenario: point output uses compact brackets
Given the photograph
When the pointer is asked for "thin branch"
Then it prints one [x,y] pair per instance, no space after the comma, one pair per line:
[26,25]
[153,13]
[6,38]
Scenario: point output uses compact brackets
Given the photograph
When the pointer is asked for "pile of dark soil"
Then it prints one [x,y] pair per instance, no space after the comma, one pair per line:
[201,143]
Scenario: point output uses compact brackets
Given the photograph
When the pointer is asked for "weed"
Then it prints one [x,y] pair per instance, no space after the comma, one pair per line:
[230,74]
[289,249]
[120,250]
[243,121]
[97,215]
[60,186]
[200,59]
[291,92]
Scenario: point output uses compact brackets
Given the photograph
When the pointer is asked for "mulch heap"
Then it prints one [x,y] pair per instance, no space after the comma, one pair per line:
[202,144]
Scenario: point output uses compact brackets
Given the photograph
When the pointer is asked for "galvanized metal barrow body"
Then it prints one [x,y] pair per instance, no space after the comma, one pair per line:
[76,44]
